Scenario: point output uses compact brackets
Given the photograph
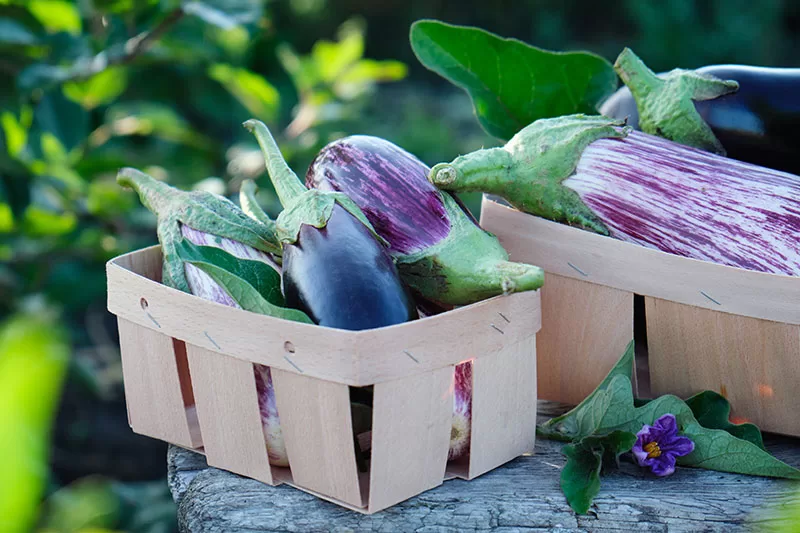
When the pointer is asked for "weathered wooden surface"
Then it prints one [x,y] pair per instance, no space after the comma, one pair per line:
[523,495]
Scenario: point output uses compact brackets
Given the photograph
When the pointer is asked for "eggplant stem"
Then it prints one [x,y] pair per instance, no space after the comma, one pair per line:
[250,205]
[286,183]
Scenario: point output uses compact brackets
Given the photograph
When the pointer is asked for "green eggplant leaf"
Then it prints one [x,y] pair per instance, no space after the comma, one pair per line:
[565,427]
[712,410]
[512,83]
[612,408]
[248,297]
[580,477]
[259,275]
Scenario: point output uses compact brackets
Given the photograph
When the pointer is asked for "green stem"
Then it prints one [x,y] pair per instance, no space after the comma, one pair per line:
[636,75]
[155,195]
[250,205]
[485,170]
[286,183]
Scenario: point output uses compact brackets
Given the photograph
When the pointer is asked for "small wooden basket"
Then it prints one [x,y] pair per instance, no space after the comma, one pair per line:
[709,326]
[188,373]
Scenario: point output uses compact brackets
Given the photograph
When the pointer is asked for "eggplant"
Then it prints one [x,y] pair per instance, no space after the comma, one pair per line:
[441,252]
[759,123]
[597,174]
[203,218]
[335,267]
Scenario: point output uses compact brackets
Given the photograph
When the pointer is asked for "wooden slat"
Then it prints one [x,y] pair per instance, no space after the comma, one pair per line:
[754,363]
[152,386]
[579,254]
[503,406]
[318,431]
[353,358]
[585,330]
[227,409]
[410,436]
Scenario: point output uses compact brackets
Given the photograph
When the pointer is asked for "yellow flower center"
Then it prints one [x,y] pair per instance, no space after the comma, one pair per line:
[652,450]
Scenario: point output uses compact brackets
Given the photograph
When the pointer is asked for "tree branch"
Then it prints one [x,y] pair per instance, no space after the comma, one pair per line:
[121,54]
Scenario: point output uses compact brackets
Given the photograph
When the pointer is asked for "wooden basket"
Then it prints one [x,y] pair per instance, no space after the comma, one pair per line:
[709,326]
[188,373]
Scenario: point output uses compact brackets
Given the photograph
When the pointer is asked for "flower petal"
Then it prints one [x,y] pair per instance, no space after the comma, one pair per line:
[664,466]
[678,447]
[668,424]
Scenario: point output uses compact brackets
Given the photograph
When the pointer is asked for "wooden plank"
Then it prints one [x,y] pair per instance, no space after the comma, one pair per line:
[523,495]
[354,358]
[579,254]
[410,436]
[152,385]
[318,431]
[503,406]
[585,330]
[754,363]
[227,410]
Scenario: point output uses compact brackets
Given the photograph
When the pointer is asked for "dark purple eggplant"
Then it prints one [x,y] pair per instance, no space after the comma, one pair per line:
[758,124]
[440,251]
[335,267]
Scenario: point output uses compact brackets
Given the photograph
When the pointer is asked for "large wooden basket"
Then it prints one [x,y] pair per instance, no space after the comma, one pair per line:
[709,326]
[188,373]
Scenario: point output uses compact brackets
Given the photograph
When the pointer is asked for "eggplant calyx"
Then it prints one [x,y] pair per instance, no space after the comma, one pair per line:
[314,208]
[666,103]
[530,169]
[467,266]
[199,210]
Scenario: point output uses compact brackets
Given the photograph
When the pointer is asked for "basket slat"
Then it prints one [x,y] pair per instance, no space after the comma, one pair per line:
[580,320]
[503,406]
[318,431]
[227,408]
[411,428]
[754,363]
[152,385]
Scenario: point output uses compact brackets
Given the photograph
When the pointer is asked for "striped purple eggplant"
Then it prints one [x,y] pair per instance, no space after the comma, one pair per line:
[440,252]
[181,215]
[594,173]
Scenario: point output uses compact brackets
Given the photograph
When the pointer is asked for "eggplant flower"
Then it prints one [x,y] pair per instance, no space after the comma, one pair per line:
[658,446]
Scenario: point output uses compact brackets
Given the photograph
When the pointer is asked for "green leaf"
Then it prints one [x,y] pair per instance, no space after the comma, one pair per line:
[511,83]
[225,13]
[107,199]
[712,410]
[254,92]
[33,359]
[12,32]
[15,131]
[87,504]
[39,222]
[65,119]
[100,89]
[258,274]
[152,119]
[252,284]
[613,409]
[580,477]
[57,15]
[6,218]
[565,427]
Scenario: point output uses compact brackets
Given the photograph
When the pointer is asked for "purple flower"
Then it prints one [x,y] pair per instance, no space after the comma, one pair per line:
[658,445]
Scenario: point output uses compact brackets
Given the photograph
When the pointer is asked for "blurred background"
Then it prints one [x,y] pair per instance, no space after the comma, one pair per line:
[88,86]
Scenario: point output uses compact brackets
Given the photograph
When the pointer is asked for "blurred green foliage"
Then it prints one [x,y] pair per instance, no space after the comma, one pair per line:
[88,86]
